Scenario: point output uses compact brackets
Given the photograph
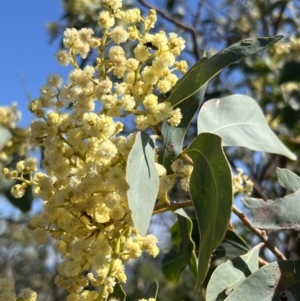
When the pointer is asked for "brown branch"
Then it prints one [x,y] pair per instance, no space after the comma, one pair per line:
[262,261]
[259,190]
[188,28]
[259,233]
[160,208]
[278,21]
[264,170]
[198,13]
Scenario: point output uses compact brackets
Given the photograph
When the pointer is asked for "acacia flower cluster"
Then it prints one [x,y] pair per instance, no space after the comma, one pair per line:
[83,184]
[7,292]
[14,139]
[241,183]
[181,170]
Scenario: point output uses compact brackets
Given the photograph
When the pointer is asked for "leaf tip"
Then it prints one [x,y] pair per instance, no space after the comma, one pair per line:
[293,157]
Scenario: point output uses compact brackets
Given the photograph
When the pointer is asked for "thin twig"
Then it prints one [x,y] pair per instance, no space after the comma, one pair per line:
[198,13]
[262,261]
[266,167]
[188,28]
[160,208]
[279,18]
[259,233]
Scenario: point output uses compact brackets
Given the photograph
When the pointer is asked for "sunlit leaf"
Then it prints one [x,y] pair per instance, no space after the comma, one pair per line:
[274,281]
[236,271]
[283,213]
[142,178]
[288,179]
[240,122]
[211,192]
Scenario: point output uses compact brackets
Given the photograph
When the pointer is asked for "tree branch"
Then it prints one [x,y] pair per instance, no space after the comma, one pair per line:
[198,13]
[259,233]
[160,208]
[279,18]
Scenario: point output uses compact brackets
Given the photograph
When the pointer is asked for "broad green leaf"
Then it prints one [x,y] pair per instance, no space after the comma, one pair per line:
[143,181]
[236,271]
[190,106]
[283,213]
[182,253]
[152,290]
[288,179]
[118,293]
[187,243]
[240,122]
[232,246]
[274,281]
[211,192]
[172,145]
[203,71]
[5,136]
[173,264]
[289,72]
[174,136]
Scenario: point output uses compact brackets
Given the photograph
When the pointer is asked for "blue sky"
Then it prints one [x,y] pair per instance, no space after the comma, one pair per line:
[26,52]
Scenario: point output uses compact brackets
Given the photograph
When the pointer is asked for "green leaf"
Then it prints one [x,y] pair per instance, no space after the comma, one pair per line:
[289,72]
[288,179]
[187,243]
[283,213]
[240,122]
[232,246]
[182,253]
[274,281]
[173,264]
[118,293]
[203,71]
[174,136]
[236,271]
[152,290]
[173,139]
[142,178]
[170,5]
[211,192]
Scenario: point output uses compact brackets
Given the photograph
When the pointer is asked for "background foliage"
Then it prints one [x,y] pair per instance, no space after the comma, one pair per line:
[270,77]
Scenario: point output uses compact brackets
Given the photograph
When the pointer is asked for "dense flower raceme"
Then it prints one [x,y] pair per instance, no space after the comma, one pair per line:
[241,183]
[16,137]
[83,184]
